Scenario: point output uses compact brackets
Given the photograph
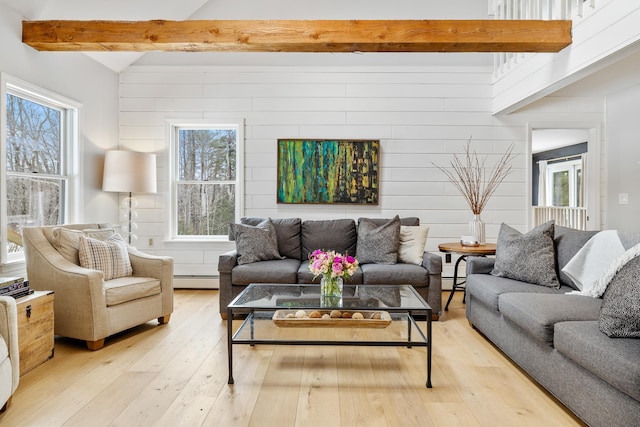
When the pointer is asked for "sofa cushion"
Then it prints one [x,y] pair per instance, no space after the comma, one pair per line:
[256,243]
[412,242]
[613,360]
[397,274]
[109,256]
[272,271]
[538,313]
[305,276]
[125,289]
[337,234]
[620,312]
[527,257]
[378,244]
[568,242]
[287,233]
[487,288]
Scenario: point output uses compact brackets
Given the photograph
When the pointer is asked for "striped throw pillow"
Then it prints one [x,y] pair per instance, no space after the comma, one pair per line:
[109,256]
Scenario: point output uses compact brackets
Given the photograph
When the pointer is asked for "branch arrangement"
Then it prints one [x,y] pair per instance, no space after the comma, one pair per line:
[469,176]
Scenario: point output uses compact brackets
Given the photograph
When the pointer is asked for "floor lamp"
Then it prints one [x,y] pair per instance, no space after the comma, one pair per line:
[129,172]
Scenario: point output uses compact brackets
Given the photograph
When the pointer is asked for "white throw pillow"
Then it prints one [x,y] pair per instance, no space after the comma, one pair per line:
[412,242]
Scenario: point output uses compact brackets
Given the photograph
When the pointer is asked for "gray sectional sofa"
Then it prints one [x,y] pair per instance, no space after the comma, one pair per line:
[555,337]
[297,238]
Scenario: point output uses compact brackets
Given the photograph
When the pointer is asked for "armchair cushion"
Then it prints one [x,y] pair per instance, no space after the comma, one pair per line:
[124,289]
[109,256]
[9,352]
[6,374]
[67,241]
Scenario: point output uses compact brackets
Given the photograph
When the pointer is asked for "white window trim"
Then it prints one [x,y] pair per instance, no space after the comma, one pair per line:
[171,167]
[70,160]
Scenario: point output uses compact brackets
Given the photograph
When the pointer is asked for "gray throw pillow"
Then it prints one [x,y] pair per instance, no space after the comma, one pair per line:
[378,244]
[620,310]
[287,232]
[256,243]
[527,257]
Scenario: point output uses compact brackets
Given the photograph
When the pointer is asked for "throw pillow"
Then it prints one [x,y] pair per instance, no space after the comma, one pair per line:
[338,235]
[256,243]
[287,232]
[527,257]
[620,310]
[412,243]
[67,241]
[378,244]
[109,256]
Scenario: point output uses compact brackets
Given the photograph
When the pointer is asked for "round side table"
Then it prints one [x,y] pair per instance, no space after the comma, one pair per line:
[464,251]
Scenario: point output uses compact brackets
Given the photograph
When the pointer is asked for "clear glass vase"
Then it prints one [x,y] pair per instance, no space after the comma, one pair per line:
[476,229]
[331,291]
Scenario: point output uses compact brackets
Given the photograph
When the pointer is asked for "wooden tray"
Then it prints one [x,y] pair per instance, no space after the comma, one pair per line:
[280,319]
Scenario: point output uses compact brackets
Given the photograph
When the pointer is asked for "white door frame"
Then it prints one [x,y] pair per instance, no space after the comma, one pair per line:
[591,179]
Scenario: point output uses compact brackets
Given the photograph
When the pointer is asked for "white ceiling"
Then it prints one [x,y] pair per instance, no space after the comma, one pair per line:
[262,9]
[615,74]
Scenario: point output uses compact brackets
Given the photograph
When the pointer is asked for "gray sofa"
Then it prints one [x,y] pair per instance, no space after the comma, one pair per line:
[297,238]
[556,337]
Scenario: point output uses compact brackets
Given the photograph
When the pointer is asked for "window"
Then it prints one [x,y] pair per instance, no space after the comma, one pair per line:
[39,131]
[565,184]
[206,176]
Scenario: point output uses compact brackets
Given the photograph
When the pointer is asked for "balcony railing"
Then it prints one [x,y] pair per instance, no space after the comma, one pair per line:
[564,216]
[574,10]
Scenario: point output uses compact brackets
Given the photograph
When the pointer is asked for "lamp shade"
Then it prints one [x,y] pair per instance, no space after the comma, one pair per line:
[129,172]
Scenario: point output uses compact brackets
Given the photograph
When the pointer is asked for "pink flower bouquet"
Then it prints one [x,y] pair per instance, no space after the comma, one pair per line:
[332,264]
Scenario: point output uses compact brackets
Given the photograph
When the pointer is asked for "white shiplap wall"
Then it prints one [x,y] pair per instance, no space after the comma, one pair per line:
[421,115]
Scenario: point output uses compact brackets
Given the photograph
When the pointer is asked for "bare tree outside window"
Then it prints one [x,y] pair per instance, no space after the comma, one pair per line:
[206,181]
[35,185]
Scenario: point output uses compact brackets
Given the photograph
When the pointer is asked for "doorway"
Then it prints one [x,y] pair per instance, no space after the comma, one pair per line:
[564,176]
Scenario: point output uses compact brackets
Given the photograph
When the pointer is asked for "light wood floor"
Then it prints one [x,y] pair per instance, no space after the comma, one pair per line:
[176,374]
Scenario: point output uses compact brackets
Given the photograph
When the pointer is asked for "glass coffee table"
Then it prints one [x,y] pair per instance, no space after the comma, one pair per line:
[271,308]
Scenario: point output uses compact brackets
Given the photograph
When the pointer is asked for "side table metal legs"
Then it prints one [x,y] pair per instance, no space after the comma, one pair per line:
[455,281]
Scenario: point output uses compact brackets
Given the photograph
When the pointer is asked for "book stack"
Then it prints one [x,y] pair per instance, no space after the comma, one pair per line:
[14,287]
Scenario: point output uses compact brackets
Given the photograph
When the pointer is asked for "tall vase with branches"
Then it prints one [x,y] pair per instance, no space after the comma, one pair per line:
[477,183]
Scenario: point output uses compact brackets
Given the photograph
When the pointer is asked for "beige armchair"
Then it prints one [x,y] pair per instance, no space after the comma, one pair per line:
[86,306]
[9,352]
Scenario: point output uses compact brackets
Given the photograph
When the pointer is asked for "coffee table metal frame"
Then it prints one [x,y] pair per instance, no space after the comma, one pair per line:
[255,309]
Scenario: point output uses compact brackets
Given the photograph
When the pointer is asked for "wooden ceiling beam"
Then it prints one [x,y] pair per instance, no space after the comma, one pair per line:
[299,36]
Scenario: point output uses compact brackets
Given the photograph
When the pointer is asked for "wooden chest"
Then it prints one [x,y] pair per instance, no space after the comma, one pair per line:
[35,329]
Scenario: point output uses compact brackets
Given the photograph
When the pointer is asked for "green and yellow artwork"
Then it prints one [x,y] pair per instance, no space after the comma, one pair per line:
[328,171]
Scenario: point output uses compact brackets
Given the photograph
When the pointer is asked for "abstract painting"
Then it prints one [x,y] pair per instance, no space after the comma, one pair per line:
[328,171]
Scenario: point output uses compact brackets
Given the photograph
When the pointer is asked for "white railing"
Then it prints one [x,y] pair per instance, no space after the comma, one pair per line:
[564,216]
[534,9]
